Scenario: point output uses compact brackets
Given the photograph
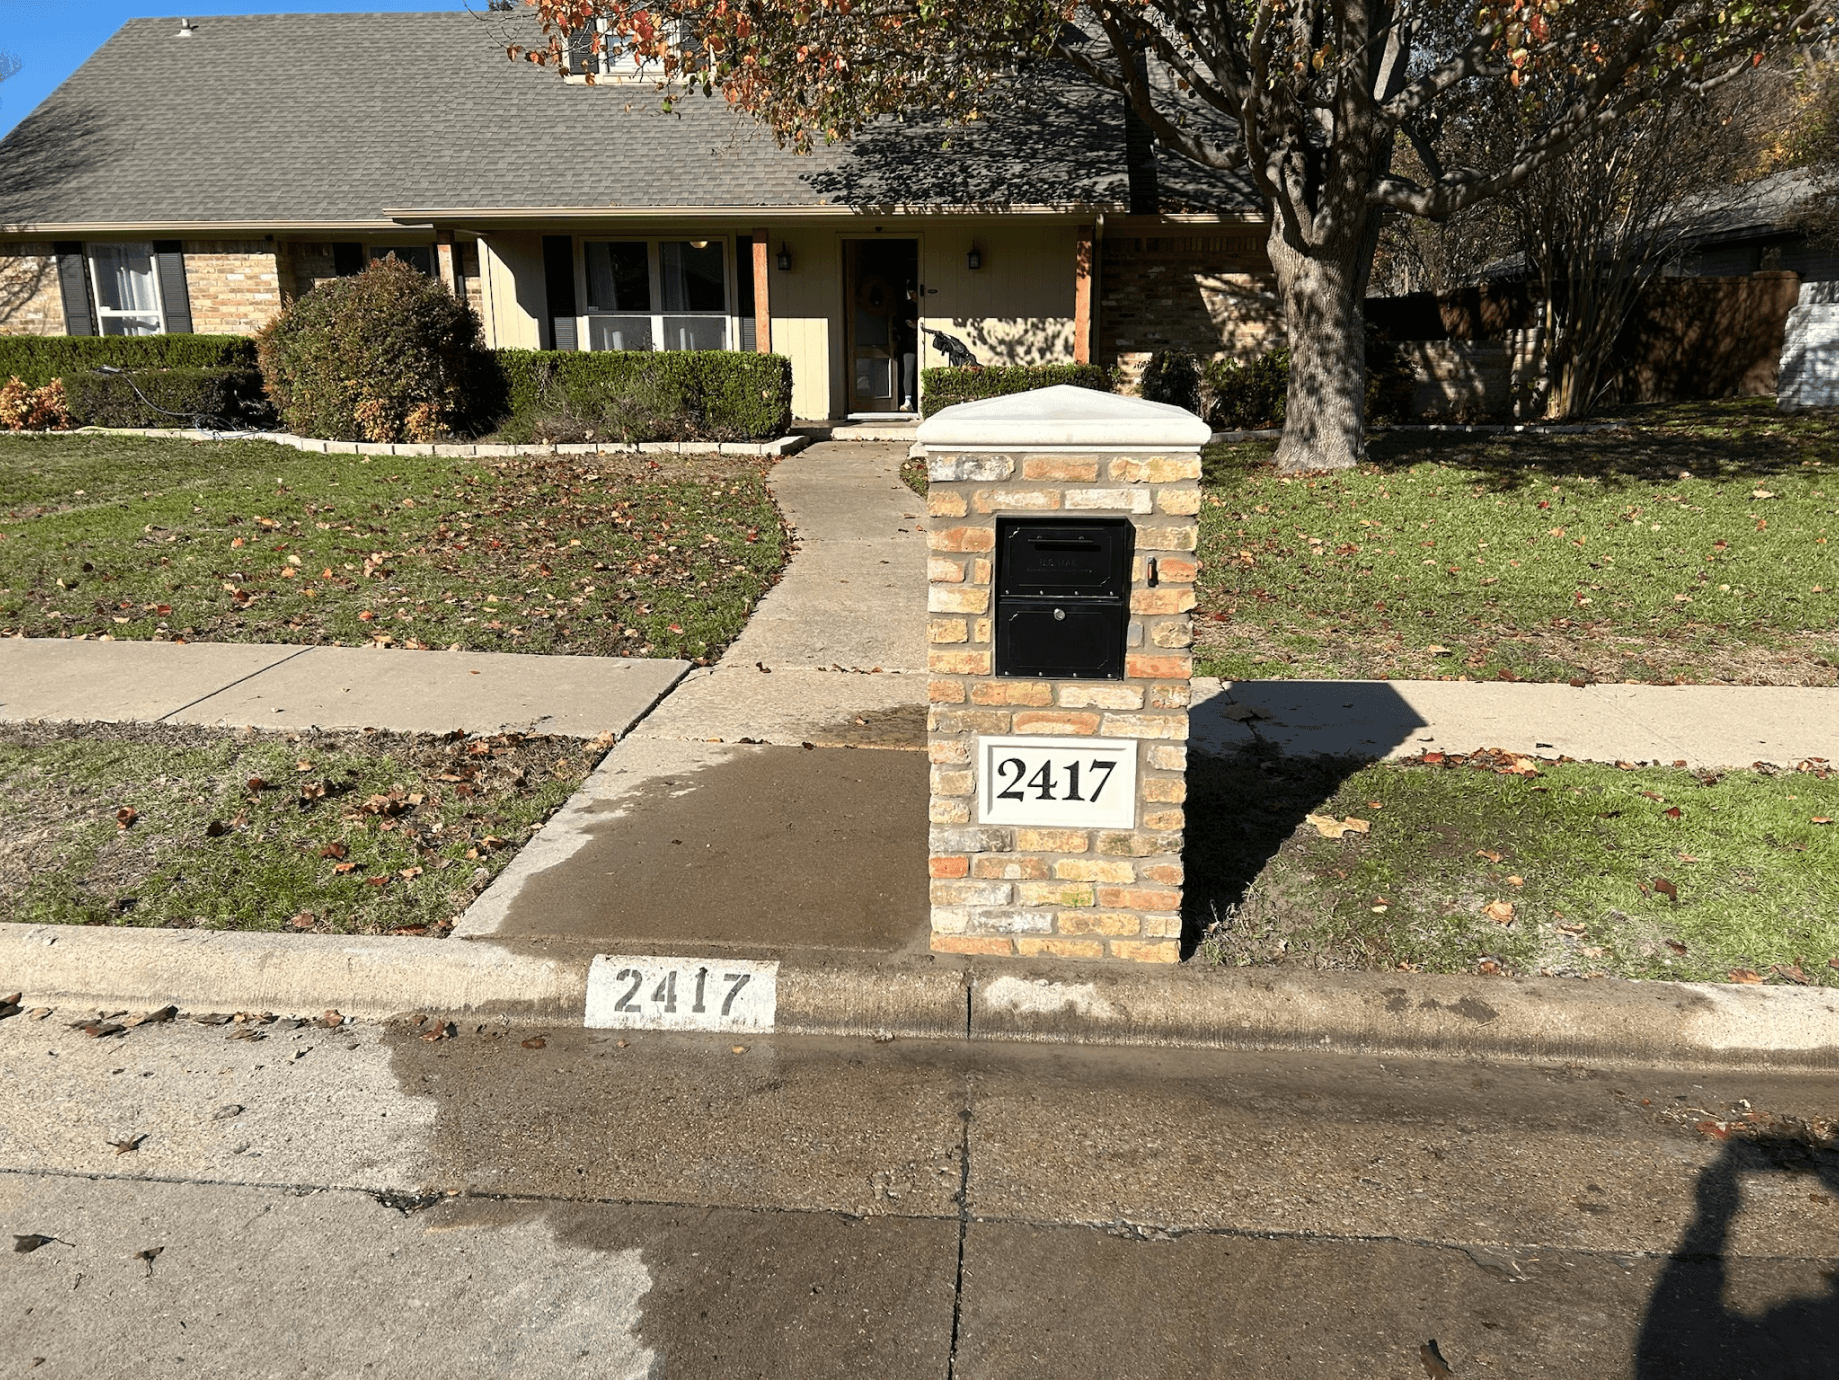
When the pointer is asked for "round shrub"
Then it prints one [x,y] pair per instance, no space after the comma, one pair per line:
[1173,376]
[386,355]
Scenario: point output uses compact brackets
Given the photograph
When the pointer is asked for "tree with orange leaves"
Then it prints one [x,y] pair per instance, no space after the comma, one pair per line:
[1309,98]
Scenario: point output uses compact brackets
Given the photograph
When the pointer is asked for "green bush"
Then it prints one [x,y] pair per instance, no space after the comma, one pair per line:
[386,355]
[37,359]
[1172,376]
[231,396]
[946,385]
[1248,395]
[640,395]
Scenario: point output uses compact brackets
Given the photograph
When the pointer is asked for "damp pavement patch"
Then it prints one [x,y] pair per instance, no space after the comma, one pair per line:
[773,848]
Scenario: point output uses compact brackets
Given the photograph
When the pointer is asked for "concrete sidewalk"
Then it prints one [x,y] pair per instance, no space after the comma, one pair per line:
[1715,726]
[268,686]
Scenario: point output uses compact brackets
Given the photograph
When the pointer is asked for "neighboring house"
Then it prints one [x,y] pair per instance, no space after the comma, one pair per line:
[1760,227]
[196,175]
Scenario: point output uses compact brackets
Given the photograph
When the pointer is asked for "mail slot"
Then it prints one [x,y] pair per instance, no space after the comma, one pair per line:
[1062,597]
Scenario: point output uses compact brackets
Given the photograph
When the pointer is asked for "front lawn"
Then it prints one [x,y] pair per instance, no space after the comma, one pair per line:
[1495,864]
[196,828]
[1691,545]
[253,542]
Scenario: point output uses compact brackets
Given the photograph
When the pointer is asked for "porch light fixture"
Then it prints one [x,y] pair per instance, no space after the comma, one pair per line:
[974,259]
[785,258]
[699,244]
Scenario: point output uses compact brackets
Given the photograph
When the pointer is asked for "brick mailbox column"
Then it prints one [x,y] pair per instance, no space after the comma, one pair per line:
[1057,799]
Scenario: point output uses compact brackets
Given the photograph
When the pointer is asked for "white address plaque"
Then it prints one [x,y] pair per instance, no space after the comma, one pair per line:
[650,993]
[1071,782]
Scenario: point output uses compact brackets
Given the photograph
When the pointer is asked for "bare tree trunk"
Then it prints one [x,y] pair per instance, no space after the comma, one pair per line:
[1325,413]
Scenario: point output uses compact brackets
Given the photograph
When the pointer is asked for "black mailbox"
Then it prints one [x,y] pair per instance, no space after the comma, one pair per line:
[1062,597]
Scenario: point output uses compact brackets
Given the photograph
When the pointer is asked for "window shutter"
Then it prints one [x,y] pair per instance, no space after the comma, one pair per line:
[73,279]
[173,292]
[559,287]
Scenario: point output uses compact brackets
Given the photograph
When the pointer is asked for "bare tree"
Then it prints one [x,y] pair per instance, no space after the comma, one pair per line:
[22,276]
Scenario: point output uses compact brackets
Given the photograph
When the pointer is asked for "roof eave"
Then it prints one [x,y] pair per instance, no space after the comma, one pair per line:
[215,229]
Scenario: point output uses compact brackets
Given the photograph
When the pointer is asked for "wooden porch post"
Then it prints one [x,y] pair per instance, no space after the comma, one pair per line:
[1083,265]
[446,261]
[762,295]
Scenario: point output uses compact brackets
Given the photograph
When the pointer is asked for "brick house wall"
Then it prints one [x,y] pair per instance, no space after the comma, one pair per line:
[1164,287]
[235,285]
[30,303]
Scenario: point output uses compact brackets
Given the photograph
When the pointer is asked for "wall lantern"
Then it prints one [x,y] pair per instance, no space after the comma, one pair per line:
[785,258]
[974,259]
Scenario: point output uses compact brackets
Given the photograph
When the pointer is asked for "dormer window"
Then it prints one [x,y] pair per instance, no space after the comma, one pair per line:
[612,62]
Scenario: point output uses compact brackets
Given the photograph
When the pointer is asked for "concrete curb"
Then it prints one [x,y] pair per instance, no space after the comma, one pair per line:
[1349,1013]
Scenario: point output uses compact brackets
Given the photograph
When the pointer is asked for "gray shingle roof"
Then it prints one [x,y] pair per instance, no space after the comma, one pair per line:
[332,118]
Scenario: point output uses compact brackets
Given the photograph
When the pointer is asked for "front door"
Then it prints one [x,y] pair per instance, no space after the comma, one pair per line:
[882,287]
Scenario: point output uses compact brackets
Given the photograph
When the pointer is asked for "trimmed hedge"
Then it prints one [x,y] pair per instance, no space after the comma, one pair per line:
[1252,395]
[233,396]
[37,359]
[946,385]
[640,395]
[1248,396]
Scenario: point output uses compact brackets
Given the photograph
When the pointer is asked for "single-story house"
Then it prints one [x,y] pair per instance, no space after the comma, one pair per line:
[196,175]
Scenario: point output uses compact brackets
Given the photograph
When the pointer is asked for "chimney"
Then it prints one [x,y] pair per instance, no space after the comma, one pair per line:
[186,28]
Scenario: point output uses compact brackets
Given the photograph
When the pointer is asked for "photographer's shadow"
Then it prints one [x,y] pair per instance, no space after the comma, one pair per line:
[1692,1333]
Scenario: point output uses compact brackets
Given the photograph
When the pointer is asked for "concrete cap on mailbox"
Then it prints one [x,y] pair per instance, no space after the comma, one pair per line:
[1064,417]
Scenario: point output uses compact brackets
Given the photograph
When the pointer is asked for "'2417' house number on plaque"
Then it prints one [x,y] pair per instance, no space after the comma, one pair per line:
[1071,782]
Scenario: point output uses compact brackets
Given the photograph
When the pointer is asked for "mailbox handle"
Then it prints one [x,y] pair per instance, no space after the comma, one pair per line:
[1152,572]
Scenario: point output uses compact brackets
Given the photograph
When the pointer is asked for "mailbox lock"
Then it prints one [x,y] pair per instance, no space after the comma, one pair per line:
[1059,615]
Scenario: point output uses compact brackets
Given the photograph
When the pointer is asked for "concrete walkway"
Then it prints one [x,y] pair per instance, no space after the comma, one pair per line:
[743,811]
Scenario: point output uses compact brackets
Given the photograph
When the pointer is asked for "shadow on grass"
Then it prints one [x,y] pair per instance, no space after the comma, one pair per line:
[1738,439]
[1253,782]
[1692,1331]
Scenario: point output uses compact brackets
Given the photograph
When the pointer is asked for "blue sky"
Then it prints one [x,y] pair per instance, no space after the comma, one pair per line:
[52,37]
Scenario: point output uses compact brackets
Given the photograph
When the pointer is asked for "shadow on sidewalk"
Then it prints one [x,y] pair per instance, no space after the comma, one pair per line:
[1693,1330]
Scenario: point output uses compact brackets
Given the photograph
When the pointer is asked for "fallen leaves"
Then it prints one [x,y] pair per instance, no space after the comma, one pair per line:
[1667,889]
[1745,975]
[535,1042]
[1331,828]
[1500,912]
[127,1145]
[125,817]
[24,1243]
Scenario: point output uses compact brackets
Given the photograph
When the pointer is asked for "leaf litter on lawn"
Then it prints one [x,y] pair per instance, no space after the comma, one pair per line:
[398,833]
[1492,862]
[250,542]
[1636,554]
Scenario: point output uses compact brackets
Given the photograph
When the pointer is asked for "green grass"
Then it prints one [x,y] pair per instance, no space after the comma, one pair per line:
[306,836]
[913,475]
[253,542]
[1699,543]
[1586,842]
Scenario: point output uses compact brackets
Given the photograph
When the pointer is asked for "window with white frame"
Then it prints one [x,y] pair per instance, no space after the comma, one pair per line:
[615,60]
[127,288]
[658,294]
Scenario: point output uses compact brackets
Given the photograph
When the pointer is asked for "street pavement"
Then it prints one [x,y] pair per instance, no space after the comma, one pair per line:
[362,1200]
